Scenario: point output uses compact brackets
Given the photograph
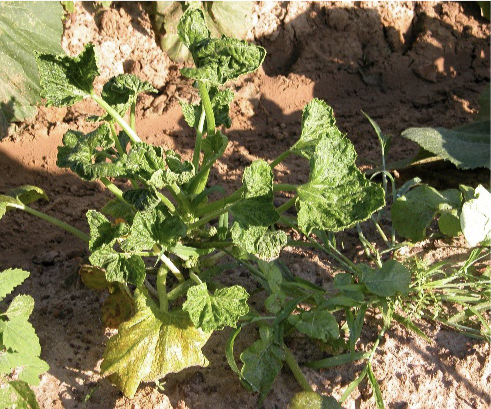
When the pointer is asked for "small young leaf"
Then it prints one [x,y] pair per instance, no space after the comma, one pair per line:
[119,267]
[319,324]
[66,80]
[21,306]
[313,400]
[192,29]
[150,345]
[393,277]
[19,335]
[28,194]
[11,278]
[476,217]
[413,212]
[102,232]
[263,361]
[154,226]
[213,312]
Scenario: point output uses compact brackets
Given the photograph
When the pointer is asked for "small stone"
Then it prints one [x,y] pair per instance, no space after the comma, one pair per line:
[283,125]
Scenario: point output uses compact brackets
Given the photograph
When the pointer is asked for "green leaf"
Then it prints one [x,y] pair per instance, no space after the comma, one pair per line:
[119,267]
[102,232]
[142,199]
[475,219]
[319,324]
[413,212]
[19,335]
[255,212]
[150,345]
[18,394]
[66,80]
[313,400]
[393,277]
[26,27]
[28,194]
[83,154]
[178,172]
[449,223]
[146,162]
[192,29]
[119,210]
[214,312]
[263,361]
[121,92]
[11,278]
[21,306]
[467,146]
[337,195]
[30,368]
[154,226]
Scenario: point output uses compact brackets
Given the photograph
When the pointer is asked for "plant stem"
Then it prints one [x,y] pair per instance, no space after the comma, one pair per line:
[76,232]
[130,132]
[116,191]
[161,290]
[133,116]
[208,217]
[285,206]
[179,196]
[166,201]
[199,139]
[171,266]
[220,204]
[116,140]
[208,108]
[297,372]
[280,159]
[195,278]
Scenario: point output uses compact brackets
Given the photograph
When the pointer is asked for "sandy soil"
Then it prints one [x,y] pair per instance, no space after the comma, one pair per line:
[405,64]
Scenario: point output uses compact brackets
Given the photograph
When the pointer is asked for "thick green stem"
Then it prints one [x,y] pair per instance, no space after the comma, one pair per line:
[285,206]
[116,140]
[130,132]
[161,290]
[297,372]
[179,196]
[116,191]
[208,108]
[76,232]
[171,266]
[280,159]
[195,278]
[220,204]
[167,202]
[284,187]
[208,217]
[199,139]
[133,116]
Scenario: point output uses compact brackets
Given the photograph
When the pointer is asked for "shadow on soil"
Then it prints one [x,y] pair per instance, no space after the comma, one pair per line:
[347,57]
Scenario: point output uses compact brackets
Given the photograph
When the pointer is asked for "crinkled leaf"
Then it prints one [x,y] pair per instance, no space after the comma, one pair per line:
[475,219]
[263,361]
[319,324]
[66,80]
[413,212]
[144,161]
[313,400]
[213,312]
[119,267]
[255,212]
[142,199]
[213,147]
[28,194]
[121,92]
[18,394]
[220,102]
[21,306]
[102,231]
[117,308]
[178,172]
[192,29]
[119,210]
[26,27]
[467,146]
[150,345]
[83,154]
[154,226]
[19,335]
[11,278]
[393,277]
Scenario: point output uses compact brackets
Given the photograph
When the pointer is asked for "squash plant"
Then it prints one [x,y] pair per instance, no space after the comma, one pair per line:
[156,247]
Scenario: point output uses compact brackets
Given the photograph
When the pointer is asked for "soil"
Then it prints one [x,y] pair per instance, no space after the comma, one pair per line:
[403,63]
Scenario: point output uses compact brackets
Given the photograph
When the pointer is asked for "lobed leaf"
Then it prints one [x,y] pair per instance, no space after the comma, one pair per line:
[150,345]
[102,232]
[19,335]
[214,312]
[66,80]
[393,277]
[316,323]
[120,267]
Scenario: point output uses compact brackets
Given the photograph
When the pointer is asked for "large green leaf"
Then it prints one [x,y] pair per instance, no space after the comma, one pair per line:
[102,232]
[232,19]
[155,226]
[11,278]
[213,312]
[263,361]
[475,219]
[316,323]
[467,146]
[120,267]
[19,335]
[142,199]
[66,80]
[393,277]
[255,212]
[413,212]
[26,27]
[151,345]
[337,195]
